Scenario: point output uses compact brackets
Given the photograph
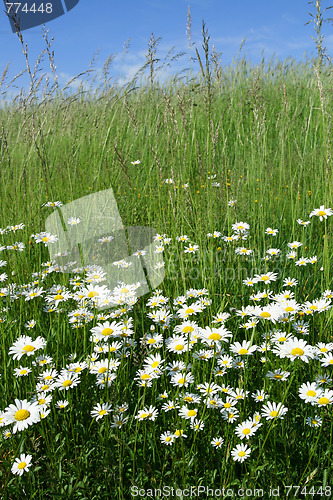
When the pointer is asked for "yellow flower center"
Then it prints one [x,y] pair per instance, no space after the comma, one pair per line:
[92,294]
[273,413]
[45,239]
[321,213]
[323,401]
[227,405]
[107,331]
[28,348]
[265,314]
[145,376]
[215,336]
[191,413]
[102,412]
[179,347]
[156,363]
[311,393]
[67,383]
[22,415]
[151,341]
[124,290]
[189,311]
[297,351]
[21,465]
[246,431]
[289,309]
[41,401]
[102,369]
[188,329]
[23,372]
[241,454]
[143,415]
[277,376]
[58,297]
[243,351]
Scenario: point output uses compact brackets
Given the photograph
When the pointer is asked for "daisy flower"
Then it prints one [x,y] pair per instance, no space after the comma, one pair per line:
[167,438]
[73,221]
[278,375]
[322,212]
[259,396]
[243,349]
[62,403]
[30,324]
[22,371]
[246,429]
[210,335]
[294,348]
[327,359]
[303,261]
[192,398]
[197,425]
[170,405]
[217,442]
[21,464]
[22,414]
[316,421]
[153,363]
[273,410]
[324,398]
[229,404]
[147,413]
[230,416]
[177,344]
[271,231]
[240,227]
[266,278]
[52,204]
[100,410]
[67,381]
[309,392]
[241,452]
[294,244]
[45,238]
[153,339]
[303,223]
[119,420]
[25,345]
[182,379]
[290,282]
[188,413]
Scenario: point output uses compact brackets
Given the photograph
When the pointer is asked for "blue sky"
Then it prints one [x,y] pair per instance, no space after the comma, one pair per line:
[275,27]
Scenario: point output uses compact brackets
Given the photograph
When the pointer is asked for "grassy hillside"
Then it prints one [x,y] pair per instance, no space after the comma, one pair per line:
[259,135]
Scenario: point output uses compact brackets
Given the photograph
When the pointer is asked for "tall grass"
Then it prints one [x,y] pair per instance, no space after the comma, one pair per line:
[261,135]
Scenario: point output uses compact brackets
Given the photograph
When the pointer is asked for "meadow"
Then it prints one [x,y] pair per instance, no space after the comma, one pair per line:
[220,378]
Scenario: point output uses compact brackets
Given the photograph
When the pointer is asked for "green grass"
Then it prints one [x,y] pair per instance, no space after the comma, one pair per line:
[265,133]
